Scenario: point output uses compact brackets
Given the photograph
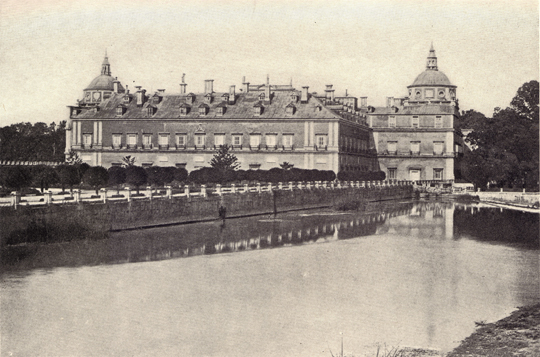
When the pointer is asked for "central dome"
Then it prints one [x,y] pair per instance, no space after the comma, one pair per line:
[431,78]
[101,82]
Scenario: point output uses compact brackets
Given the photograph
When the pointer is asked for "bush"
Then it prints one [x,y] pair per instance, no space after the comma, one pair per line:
[136,176]
[117,176]
[97,177]
[15,177]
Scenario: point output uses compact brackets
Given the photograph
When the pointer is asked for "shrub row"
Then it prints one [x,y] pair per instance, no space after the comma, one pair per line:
[361,176]
[212,175]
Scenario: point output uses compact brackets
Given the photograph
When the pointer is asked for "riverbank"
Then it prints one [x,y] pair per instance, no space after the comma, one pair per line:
[515,335]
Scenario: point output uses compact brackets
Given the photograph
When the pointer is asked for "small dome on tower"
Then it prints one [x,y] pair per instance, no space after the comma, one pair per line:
[101,82]
[431,78]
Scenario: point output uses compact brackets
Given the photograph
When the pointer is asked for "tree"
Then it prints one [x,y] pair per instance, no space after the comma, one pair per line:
[286,166]
[15,177]
[96,177]
[68,176]
[136,176]
[117,176]
[180,174]
[72,158]
[154,176]
[224,163]
[44,176]
[505,147]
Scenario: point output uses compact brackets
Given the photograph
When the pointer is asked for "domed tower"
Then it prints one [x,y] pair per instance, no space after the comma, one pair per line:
[432,85]
[102,87]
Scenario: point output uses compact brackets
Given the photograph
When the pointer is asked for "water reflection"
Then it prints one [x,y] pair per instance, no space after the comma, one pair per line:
[429,219]
[408,274]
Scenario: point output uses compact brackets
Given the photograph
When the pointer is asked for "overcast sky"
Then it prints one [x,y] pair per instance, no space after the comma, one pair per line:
[50,50]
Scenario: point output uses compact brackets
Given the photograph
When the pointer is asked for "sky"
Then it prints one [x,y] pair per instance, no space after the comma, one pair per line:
[50,50]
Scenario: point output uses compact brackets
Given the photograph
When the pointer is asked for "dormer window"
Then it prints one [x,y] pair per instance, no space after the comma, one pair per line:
[208,98]
[225,97]
[203,109]
[258,109]
[190,98]
[261,97]
[290,109]
[220,109]
[156,99]
[127,98]
[184,109]
[150,110]
[120,110]
[294,97]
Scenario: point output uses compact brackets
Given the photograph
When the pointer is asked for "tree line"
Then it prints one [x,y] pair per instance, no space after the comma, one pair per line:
[33,142]
[504,147]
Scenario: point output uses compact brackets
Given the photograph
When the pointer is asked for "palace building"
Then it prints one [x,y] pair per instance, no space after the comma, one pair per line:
[265,125]
[411,138]
[414,135]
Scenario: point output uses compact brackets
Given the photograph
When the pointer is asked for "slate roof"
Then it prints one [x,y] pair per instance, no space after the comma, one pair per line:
[169,108]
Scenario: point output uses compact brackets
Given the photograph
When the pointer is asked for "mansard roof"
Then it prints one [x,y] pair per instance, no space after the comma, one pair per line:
[169,107]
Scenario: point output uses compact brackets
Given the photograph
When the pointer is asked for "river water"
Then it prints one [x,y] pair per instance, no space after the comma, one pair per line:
[416,274]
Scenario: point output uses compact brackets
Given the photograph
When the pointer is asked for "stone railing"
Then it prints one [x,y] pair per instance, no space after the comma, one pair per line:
[107,195]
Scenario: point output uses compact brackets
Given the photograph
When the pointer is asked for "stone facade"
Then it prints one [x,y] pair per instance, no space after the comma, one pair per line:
[414,135]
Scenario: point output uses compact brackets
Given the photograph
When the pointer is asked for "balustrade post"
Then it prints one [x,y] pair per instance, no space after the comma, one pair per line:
[203,191]
[169,192]
[128,194]
[291,184]
[270,189]
[103,195]
[317,184]
[77,195]
[258,187]
[308,185]
[332,185]
[16,199]
[280,186]
[48,197]
[233,188]
[218,189]
[339,184]
[186,192]
[246,188]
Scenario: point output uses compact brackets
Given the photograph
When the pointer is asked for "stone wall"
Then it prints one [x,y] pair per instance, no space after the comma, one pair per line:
[93,220]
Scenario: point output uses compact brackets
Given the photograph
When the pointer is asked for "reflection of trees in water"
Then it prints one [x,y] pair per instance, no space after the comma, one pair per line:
[494,225]
[214,237]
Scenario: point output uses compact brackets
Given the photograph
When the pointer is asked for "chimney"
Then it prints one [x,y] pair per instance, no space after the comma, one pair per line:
[267,90]
[328,90]
[332,95]
[363,101]
[183,88]
[140,95]
[389,101]
[208,86]
[246,87]
[115,84]
[161,91]
[304,97]
[232,94]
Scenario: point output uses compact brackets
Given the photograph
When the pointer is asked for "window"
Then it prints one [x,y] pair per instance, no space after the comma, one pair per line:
[392,173]
[181,140]
[254,166]
[415,122]
[438,147]
[147,141]
[392,121]
[208,98]
[255,140]
[87,140]
[320,141]
[203,109]
[287,140]
[117,141]
[290,109]
[271,140]
[220,110]
[200,140]
[219,140]
[392,147]
[150,110]
[257,109]
[126,98]
[119,111]
[237,140]
[437,174]
[132,141]
[415,147]
[163,140]
[184,110]
[438,121]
